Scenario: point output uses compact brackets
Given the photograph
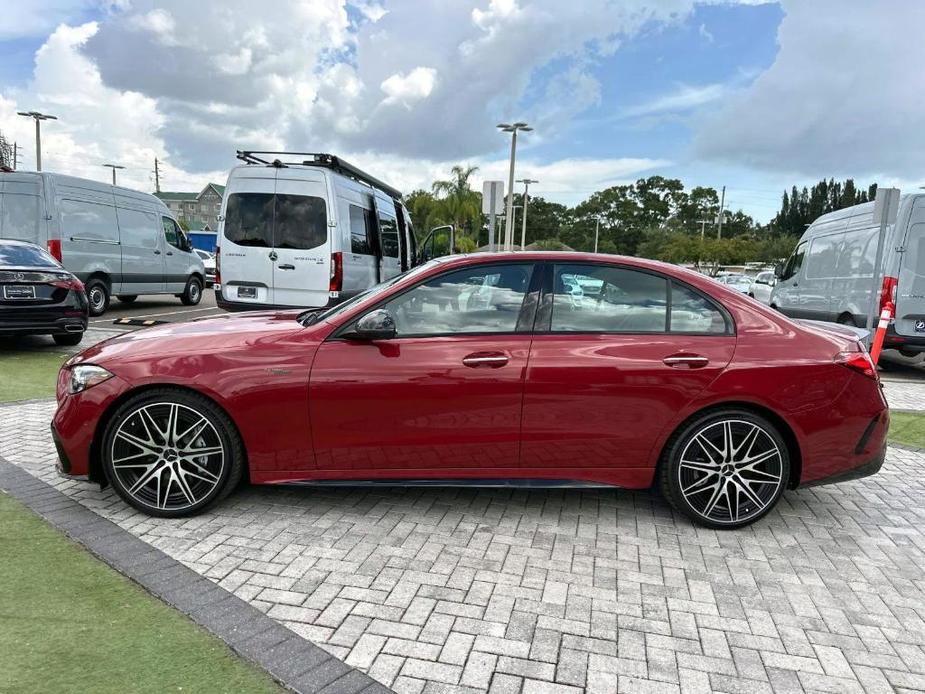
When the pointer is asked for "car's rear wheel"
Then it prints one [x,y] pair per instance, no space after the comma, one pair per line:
[192,295]
[68,339]
[725,469]
[171,453]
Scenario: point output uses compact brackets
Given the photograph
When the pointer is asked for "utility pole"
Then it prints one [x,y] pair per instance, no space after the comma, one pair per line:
[523,229]
[509,217]
[38,117]
[722,206]
[113,167]
[157,177]
[597,231]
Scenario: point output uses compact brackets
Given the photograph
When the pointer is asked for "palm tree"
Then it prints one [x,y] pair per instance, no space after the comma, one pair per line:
[458,204]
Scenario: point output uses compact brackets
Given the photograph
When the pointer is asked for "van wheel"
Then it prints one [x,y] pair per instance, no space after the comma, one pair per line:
[847,319]
[192,295]
[127,298]
[97,296]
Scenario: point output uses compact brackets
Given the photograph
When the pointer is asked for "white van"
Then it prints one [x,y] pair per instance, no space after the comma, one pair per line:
[306,230]
[828,277]
[118,242]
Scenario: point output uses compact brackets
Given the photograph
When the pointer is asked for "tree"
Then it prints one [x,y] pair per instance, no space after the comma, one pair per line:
[800,209]
[425,214]
[457,203]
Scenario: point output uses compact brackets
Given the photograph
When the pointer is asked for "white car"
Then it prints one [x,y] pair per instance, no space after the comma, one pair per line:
[734,281]
[762,286]
[208,262]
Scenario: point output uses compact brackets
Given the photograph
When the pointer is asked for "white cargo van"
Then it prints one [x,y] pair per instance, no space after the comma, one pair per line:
[828,277]
[118,242]
[306,230]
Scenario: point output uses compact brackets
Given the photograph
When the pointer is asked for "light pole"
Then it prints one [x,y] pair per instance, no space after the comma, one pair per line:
[113,167]
[38,117]
[523,228]
[508,218]
[514,209]
[597,231]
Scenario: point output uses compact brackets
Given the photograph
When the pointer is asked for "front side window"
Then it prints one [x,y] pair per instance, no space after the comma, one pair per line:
[476,300]
[794,262]
[268,220]
[172,233]
[590,298]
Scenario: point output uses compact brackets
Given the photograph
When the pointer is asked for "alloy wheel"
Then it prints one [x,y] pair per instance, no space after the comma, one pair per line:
[730,471]
[167,456]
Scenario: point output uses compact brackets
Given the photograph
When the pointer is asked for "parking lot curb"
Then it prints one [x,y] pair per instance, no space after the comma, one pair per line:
[294,662]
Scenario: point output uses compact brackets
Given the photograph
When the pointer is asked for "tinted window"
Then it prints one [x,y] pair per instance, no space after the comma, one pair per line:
[794,262]
[137,229]
[89,220]
[249,219]
[171,232]
[359,231]
[476,300]
[823,253]
[693,313]
[857,254]
[14,255]
[388,236]
[590,298]
[19,216]
[301,222]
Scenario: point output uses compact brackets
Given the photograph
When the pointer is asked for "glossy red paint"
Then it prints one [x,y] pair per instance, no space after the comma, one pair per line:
[594,408]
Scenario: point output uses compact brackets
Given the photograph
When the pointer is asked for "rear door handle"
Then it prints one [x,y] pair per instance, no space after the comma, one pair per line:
[491,360]
[686,361]
[286,267]
[157,252]
[169,252]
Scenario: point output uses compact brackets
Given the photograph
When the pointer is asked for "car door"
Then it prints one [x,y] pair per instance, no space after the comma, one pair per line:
[610,369]
[142,253]
[444,396]
[786,293]
[176,258]
[389,240]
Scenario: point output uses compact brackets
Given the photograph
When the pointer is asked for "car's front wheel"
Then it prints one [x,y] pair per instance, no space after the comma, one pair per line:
[171,453]
[725,469]
[192,295]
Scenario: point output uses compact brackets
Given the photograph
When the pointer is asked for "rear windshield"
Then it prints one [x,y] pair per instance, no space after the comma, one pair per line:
[15,255]
[270,220]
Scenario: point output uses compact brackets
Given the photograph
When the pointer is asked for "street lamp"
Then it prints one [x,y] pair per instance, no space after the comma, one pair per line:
[597,231]
[523,229]
[113,167]
[508,218]
[38,117]
[514,209]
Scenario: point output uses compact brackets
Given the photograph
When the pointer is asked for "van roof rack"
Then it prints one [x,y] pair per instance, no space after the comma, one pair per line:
[316,159]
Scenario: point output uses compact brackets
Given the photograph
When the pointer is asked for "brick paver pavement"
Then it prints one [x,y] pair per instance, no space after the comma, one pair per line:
[432,590]
[905,394]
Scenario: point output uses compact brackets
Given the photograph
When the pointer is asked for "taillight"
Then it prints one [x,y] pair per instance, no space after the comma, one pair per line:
[218,265]
[857,361]
[72,283]
[54,248]
[888,294]
[337,272]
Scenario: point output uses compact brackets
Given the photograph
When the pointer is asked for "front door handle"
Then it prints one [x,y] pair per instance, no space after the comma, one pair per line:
[285,267]
[686,361]
[169,252]
[491,360]
[157,252]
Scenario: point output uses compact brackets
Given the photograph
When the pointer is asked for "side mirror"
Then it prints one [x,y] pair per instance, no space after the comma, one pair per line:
[376,325]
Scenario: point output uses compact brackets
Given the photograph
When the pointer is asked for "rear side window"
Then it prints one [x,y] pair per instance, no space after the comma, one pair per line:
[19,216]
[14,255]
[360,225]
[693,313]
[138,229]
[88,221]
[592,298]
[266,220]
[388,236]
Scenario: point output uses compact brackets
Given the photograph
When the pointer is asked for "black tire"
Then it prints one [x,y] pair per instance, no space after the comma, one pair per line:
[694,498]
[127,298]
[68,339]
[847,319]
[98,296]
[192,295]
[226,470]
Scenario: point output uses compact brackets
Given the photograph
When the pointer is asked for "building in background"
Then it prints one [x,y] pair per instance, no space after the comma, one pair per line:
[196,211]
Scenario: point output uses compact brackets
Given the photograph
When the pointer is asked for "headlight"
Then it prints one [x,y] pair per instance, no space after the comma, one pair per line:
[85,376]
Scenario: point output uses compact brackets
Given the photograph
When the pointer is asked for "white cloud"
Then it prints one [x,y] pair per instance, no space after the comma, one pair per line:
[684,98]
[843,97]
[406,89]
[159,22]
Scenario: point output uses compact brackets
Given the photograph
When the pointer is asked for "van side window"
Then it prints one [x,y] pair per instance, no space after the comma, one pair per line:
[795,262]
[360,224]
[139,229]
[89,221]
[857,255]
[388,236]
[823,252]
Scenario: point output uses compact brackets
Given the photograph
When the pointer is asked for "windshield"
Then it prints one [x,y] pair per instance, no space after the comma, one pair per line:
[271,220]
[315,315]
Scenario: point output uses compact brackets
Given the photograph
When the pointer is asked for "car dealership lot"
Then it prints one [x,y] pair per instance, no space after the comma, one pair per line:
[559,590]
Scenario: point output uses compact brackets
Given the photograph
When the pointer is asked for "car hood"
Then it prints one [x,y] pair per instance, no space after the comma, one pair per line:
[204,336]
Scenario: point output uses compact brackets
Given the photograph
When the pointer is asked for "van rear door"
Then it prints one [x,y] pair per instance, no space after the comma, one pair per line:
[910,292]
[22,208]
[246,238]
[301,242]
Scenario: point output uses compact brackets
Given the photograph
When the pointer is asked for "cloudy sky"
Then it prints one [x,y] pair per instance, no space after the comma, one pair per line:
[752,95]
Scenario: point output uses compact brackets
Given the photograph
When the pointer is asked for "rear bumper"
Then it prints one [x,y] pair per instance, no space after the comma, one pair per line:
[227,305]
[871,467]
[908,343]
[53,323]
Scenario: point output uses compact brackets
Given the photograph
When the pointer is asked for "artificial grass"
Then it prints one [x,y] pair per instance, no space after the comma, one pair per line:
[907,428]
[27,375]
[69,623]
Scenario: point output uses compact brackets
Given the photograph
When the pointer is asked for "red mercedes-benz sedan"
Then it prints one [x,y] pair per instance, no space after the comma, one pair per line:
[534,369]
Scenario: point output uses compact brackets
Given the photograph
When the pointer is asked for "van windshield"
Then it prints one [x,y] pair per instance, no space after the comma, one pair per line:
[276,220]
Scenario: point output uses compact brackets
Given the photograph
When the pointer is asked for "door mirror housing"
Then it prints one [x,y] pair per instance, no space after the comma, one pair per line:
[375,325]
